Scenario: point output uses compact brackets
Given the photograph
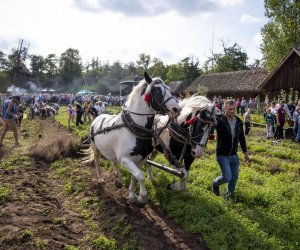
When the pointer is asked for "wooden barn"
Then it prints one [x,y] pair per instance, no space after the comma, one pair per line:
[231,84]
[285,76]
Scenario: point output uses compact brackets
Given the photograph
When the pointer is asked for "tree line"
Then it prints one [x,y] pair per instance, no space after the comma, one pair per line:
[280,35]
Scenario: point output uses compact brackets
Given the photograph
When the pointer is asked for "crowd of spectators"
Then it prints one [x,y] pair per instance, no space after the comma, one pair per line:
[84,108]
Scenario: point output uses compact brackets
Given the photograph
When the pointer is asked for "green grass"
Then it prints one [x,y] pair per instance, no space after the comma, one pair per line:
[265,213]
[82,130]
[5,194]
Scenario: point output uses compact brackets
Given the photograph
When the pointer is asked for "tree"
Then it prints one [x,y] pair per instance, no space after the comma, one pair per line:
[282,32]
[3,61]
[158,68]
[144,61]
[16,56]
[175,73]
[70,66]
[37,65]
[190,69]
[51,66]
[233,58]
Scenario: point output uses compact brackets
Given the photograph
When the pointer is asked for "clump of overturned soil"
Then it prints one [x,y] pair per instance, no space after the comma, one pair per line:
[54,143]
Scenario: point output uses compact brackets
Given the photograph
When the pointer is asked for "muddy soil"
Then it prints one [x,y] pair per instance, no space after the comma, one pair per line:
[39,214]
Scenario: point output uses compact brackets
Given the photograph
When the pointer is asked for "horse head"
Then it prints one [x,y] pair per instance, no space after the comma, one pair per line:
[199,122]
[159,97]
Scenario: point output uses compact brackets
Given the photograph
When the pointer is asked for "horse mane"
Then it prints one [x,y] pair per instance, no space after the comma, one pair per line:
[193,104]
[135,93]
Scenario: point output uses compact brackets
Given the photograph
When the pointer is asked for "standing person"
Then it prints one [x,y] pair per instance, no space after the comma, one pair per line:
[238,106]
[79,113]
[243,105]
[71,114]
[9,110]
[229,134]
[297,123]
[247,120]
[280,120]
[270,120]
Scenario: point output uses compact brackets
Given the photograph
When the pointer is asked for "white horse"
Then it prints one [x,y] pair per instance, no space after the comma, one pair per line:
[187,136]
[126,138]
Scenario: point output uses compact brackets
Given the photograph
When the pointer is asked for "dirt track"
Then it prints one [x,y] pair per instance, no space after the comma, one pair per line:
[40,215]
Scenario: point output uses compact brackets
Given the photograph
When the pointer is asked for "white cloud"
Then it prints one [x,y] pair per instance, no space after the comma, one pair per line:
[246,18]
[231,2]
[146,8]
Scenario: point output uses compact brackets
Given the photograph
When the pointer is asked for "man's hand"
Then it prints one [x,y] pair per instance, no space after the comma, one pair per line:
[246,156]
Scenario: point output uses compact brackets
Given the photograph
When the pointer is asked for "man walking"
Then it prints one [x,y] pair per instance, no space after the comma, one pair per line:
[229,133]
[9,110]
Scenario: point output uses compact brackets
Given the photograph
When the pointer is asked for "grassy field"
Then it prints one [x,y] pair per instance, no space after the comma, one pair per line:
[265,213]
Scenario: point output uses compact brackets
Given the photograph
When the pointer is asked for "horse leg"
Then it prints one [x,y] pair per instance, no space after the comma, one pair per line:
[138,174]
[149,172]
[180,185]
[131,189]
[118,182]
[97,155]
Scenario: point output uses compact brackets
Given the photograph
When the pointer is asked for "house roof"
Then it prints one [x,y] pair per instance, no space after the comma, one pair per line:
[282,62]
[131,79]
[177,86]
[235,81]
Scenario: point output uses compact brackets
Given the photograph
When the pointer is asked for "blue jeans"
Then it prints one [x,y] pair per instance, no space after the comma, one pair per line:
[230,171]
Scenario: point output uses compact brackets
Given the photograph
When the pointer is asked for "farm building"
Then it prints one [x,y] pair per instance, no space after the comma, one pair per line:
[177,87]
[285,76]
[125,86]
[19,75]
[235,84]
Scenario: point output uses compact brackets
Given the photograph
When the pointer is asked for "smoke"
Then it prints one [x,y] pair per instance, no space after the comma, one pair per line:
[16,90]
[33,87]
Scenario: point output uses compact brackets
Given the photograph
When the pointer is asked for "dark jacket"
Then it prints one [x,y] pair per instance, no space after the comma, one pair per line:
[225,144]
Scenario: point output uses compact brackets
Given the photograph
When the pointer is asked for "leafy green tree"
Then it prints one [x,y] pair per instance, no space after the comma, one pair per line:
[175,73]
[233,58]
[191,69]
[144,61]
[51,66]
[37,65]
[130,68]
[16,56]
[282,32]
[159,68]
[3,61]
[70,66]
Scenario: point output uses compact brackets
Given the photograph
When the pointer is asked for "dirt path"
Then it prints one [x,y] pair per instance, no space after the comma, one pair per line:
[38,213]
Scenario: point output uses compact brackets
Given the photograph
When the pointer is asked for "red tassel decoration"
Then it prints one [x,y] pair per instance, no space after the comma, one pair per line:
[191,121]
[147,98]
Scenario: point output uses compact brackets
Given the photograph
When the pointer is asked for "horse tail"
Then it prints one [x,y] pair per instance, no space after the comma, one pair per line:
[89,155]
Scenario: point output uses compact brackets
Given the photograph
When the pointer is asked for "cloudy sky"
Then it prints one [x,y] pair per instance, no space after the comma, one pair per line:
[122,29]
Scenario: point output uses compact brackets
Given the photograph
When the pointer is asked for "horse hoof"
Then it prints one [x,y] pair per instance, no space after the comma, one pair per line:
[141,201]
[118,184]
[100,180]
[132,199]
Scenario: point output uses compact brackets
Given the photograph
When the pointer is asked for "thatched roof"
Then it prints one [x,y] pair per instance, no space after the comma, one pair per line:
[236,82]
[177,87]
[131,79]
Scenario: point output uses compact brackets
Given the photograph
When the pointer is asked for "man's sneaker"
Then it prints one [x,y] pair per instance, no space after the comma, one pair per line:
[215,189]
[229,195]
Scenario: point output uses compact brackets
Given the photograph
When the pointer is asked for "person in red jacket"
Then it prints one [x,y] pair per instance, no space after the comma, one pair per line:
[280,120]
